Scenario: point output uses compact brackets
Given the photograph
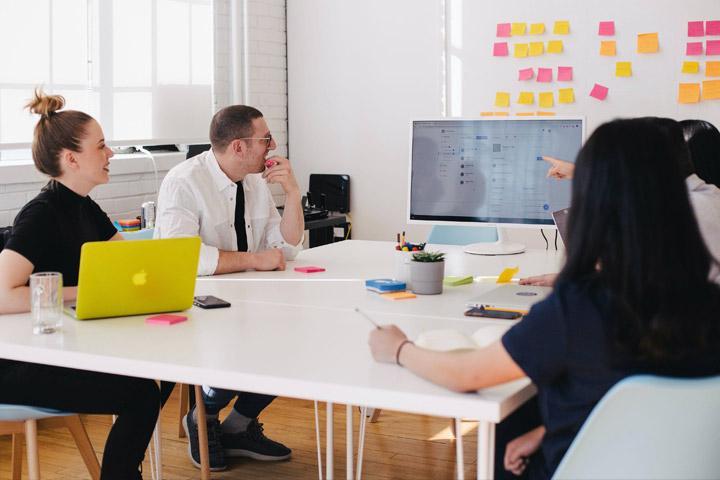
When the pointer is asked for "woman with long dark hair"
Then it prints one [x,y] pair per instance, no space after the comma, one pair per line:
[703,140]
[633,297]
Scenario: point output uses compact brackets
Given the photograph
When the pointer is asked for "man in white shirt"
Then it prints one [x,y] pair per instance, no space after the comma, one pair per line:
[222,195]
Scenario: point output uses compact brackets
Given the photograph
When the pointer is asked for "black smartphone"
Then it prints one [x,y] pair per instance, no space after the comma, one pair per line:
[208,301]
[501,314]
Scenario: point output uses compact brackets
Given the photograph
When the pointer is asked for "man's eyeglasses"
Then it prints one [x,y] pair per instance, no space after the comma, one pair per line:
[267,140]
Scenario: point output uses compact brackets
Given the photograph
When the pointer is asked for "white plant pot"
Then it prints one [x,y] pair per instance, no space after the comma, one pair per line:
[427,277]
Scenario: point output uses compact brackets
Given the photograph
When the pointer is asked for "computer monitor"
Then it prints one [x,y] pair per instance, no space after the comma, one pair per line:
[490,172]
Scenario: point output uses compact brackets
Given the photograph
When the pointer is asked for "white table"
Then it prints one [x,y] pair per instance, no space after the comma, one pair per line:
[285,335]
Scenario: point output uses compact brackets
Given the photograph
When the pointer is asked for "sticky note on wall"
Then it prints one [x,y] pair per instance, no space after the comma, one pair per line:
[536,48]
[555,46]
[500,49]
[623,69]
[696,29]
[526,74]
[503,30]
[711,90]
[537,28]
[608,48]
[546,99]
[648,43]
[561,27]
[694,48]
[518,29]
[689,93]
[712,47]
[606,29]
[599,91]
[712,27]
[565,74]
[526,98]
[691,67]
[712,69]
[502,99]
[566,95]
[544,75]
[521,50]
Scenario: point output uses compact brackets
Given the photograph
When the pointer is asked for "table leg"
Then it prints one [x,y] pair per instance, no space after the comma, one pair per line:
[350,454]
[329,466]
[459,450]
[361,441]
[202,434]
[486,450]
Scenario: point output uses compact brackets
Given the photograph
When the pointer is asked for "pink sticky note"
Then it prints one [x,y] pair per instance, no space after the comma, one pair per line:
[309,269]
[565,74]
[712,27]
[165,319]
[599,91]
[606,29]
[526,74]
[712,47]
[696,29]
[694,48]
[503,30]
[500,49]
[544,75]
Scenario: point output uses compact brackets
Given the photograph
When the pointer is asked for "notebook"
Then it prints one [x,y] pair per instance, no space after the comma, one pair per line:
[133,277]
[450,340]
[512,297]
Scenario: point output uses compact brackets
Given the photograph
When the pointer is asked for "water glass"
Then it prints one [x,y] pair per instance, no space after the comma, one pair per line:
[46,301]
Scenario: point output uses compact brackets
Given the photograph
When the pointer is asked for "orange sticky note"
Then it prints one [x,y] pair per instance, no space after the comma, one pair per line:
[566,95]
[712,69]
[502,99]
[486,114]
[398,295]
[525,114]
[518,29]
[521,50]
[545,114]
[608,48]
[536,48]
[546,99]
[689,93]
[555,46]
[502,114]
[691,67]
[507,274]
[648,43]
[562,27]
[623,69]
[537,28]
[526,98]
[711,89]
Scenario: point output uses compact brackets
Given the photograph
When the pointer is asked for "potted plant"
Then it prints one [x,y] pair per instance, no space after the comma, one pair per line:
[427,270]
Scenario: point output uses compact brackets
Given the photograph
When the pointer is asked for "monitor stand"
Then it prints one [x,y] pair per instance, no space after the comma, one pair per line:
[500,247]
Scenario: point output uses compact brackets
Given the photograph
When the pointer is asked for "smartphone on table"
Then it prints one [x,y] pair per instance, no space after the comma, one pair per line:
[500,314]
[208,301]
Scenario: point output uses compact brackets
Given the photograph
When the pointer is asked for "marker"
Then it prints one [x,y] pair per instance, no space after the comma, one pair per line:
[367,317]
[270,163]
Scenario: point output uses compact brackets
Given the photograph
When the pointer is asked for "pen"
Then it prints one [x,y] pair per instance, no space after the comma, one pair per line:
[367,317]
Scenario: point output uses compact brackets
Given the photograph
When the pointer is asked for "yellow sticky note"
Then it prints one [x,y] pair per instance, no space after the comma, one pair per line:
[689,93]
[521,50]
[517,29]
[562,27]
[712,69]
[608,48]
[711,89]
[525,114]
[623,69]
[555,46]
[537,28]
[507,274]
[397,295]
[526,98]
[546,99]
[648,43]
[536,48]
[691,67]
[566,95]
[502,99]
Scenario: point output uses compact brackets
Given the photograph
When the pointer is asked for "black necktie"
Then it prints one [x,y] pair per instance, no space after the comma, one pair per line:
[240,218]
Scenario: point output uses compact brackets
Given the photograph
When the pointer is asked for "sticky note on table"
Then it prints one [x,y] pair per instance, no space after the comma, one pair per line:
[526,98]
[606,29]
[502,99]
[503,30]
[648,43]
[608,48]
[537,28]
[520,50]
[599,91]
[309,269]
[561,27]
[696,29]
[690,67]
[694,48]
[546,99]
[712,47]
[526,74]
[555,46]
[544,75]
[398,295]
[507,274]
[518,29]
[536,48]
[565,74]
[689,93]
[455,281]
[623,69]
[566,95]
[711,89]
[712,69]
[500,49]
[712,27]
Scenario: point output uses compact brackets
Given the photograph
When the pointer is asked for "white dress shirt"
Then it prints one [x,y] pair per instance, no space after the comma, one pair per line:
[705,200]
[197,198]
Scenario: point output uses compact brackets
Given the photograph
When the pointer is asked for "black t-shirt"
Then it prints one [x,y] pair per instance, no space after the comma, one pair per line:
[51,228]
[563,346]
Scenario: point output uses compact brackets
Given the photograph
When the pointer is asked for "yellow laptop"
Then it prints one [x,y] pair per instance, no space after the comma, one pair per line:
[135,277]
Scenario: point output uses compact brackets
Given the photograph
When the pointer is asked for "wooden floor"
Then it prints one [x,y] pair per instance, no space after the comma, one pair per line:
[398,446]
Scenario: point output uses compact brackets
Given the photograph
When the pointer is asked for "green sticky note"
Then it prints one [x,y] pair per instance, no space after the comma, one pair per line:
[453,281]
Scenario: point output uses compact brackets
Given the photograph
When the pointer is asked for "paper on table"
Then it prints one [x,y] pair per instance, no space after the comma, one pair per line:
[689,93]
[566,95]
[526,98]
[500,49]
[507,274]
[599,91]
[518,29]
[694,48]
[537,28]
[503,30]
[502,99]
[562,27]
[546,99]
[623,69]
[521,50]
[608,48]
[449,340]
[555,46]
[691,67]
[606,29]
[648,43]
[536,48]
[712,47]
[544,75]
[712,27]
[696,29]
[712,69]
[711,89]
[526,74]
[565,74]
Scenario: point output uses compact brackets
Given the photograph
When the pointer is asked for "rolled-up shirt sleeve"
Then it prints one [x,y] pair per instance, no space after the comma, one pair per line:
[178,215]
[273,237]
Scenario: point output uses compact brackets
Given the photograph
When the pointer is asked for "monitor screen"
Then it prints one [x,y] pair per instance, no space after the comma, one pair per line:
[490,171]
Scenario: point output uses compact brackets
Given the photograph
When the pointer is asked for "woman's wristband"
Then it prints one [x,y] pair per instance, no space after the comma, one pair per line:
[399,349]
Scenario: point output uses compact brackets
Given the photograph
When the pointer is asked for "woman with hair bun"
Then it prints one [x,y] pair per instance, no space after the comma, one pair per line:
[47,234]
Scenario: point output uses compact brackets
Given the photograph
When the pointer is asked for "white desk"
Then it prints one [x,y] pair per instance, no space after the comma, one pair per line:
[292,338]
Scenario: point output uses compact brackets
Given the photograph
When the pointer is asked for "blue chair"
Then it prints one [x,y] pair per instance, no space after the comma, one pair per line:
[16,420]
[649,427]
[449,235]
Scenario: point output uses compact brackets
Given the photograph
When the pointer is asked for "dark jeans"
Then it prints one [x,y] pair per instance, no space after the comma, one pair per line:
[136,402]
[518,423]
[248,404]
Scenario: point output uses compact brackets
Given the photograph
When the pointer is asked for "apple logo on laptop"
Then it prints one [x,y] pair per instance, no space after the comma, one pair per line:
[140,278]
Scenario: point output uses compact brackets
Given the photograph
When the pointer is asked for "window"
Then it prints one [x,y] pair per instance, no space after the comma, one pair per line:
[142,68]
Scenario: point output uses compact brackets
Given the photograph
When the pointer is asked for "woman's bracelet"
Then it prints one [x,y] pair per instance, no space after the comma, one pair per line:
[399,349]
